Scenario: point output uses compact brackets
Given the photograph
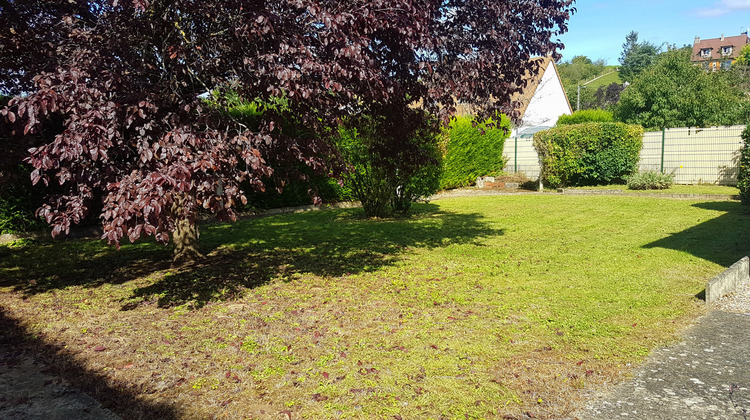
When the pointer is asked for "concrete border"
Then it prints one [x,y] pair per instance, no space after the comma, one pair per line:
[728,281]
[680,196]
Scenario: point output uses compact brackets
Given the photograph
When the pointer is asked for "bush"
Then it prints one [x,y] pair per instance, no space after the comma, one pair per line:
[743,177]
[470,154]
[297,183]
[650,180]
[588,154]
[584,116]
[18,203]
[390,169]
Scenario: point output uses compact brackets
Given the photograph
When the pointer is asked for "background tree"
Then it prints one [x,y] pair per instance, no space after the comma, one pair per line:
[578,70]
[607,96]
[636,57]
[744,58]
[675,93]
[127,75]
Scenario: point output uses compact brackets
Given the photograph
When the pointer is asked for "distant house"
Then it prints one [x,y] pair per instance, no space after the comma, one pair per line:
[542,101]
[718,53]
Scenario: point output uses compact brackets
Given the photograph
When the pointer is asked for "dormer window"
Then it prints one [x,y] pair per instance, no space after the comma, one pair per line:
[726,50]
[706,52]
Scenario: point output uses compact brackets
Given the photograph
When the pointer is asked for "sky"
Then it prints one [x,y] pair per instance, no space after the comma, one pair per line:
[598,28]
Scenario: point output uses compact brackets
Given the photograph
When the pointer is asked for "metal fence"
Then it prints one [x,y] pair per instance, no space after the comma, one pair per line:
[522,156]
[693,155]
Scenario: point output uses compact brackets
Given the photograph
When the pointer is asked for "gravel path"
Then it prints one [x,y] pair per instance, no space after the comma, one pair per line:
[29,390]
[706,376]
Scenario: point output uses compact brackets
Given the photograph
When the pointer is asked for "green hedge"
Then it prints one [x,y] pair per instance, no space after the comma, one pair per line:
[584,116]
[743,177]
[470,154]
[589,153]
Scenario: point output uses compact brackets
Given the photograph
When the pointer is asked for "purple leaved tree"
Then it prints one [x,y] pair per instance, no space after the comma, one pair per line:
[123,82]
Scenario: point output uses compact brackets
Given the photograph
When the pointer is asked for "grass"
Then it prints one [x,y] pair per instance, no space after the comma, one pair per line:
[481,307]
[704,189]
[612,77]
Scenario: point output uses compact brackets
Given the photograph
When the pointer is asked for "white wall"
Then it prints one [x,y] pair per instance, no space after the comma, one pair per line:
[548,103]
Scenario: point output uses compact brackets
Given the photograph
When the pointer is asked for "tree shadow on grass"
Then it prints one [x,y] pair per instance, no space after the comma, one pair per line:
[722,240]
[241,255]
[329,244]
[16,344]
[52,265]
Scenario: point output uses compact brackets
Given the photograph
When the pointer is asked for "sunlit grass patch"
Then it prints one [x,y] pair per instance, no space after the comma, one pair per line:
[475,307]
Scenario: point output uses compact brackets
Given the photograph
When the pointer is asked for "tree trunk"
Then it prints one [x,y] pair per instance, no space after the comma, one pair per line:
[185,238]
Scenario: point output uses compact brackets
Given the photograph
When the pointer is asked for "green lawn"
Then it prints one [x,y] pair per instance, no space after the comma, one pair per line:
[478,307]
[612,77]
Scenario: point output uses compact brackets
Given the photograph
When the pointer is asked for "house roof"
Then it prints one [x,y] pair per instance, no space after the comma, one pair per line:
[532,82]
[525,96]
[715,44]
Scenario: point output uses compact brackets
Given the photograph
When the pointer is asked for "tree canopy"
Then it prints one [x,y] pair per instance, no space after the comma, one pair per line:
[744,57]
[125,81]
[676,93]
[636,56]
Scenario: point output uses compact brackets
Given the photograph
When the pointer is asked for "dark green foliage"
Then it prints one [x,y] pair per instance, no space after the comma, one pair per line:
[470,154]
[608,96]
[650,180]
[636,57]
[18,203]
[290,185]
[675,93]
[743,177]
[578,71]
[586,115]
[589,153]
[388,173]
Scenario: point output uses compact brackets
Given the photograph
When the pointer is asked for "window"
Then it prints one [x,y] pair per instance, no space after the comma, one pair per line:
[706,52]
[726,50]
[725,65]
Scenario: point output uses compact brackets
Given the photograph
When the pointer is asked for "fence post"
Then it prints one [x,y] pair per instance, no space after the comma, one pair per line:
[663,135]
[515,155]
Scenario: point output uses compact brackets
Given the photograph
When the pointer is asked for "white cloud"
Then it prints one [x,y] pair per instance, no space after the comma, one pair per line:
[722,8]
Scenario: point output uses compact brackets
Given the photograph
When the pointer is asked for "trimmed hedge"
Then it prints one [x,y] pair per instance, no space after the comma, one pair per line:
[743,177]
[589,153]
[470,154]
[584,116]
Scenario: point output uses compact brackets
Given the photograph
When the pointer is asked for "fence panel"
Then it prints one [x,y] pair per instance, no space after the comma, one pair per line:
[522,156]
[694,155]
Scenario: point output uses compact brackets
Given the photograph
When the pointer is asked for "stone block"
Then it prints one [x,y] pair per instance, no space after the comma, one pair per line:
[728,281]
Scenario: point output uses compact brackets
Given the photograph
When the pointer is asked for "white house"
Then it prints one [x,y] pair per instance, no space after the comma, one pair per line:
[542,102]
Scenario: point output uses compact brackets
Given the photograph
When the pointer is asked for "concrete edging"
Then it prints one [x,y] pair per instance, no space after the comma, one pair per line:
[728,281]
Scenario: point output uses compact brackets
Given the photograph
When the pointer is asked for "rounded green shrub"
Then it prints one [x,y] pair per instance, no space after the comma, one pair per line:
[584,116]
[589,153]
[472,151]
